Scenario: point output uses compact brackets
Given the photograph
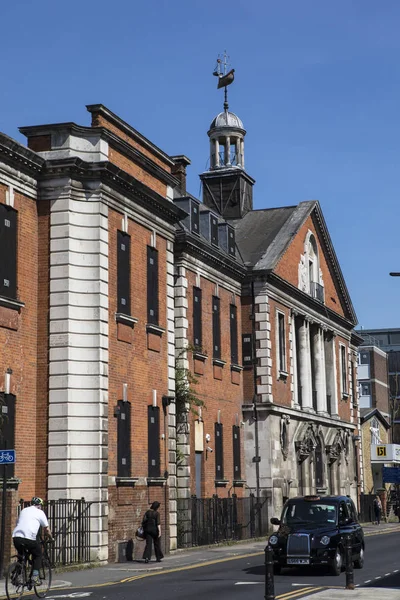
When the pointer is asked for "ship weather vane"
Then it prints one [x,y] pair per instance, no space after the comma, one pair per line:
[225,77]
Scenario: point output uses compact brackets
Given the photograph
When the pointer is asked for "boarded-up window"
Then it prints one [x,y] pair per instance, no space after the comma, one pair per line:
[8,251]
[236,452]
[123,414]
[197,330]
[247,349]
[219,451]
[153,441]
[152,285]
[216,322]
[234,335]
[123,273]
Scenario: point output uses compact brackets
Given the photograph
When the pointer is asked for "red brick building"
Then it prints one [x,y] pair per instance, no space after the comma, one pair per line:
[115,282]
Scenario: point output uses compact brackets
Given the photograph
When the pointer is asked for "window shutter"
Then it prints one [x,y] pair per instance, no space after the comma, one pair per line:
[236,452]
[214,230]
[247,349]
[124,439]
[152,285]
[8,251]
[123,273]
[216,321]
[219,452]
[195,217]
[234,335]
[153,447]
[197,330]
[7,426]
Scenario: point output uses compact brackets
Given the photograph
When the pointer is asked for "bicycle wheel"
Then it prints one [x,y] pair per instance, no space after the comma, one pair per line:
[15,580]
[45,579]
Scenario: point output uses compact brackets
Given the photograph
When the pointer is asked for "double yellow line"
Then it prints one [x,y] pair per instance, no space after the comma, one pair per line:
[298,593]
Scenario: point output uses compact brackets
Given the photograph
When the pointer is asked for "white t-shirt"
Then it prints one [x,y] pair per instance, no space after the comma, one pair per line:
[30,519]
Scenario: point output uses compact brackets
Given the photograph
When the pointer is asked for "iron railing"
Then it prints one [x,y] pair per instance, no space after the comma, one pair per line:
[317,291]
[69,522]
[204,521]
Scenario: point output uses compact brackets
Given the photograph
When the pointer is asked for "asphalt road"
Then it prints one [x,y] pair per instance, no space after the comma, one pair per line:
[243,578]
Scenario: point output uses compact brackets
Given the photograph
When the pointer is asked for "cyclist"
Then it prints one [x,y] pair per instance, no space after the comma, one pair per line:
[25,534]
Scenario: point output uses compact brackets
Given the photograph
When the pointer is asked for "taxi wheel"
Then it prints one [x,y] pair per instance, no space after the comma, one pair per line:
[337,564]
[359,563]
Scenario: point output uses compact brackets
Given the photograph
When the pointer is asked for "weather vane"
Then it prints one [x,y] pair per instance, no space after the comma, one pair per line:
[225,77]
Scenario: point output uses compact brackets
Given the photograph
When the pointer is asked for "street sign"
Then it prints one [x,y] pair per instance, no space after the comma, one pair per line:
[391,475]
[385,453]
[7,457]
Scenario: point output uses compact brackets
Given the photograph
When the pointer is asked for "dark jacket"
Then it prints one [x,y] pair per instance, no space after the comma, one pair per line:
[150,523]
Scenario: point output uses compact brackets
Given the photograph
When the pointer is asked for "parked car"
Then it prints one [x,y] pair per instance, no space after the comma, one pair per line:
[313,530]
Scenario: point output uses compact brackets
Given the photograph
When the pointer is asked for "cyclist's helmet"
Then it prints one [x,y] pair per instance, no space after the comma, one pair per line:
[36,501]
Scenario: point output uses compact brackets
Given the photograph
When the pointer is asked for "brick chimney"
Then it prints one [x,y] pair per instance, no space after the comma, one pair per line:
[179,171]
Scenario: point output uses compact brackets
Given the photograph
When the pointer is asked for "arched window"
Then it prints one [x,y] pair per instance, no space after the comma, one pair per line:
[312,275]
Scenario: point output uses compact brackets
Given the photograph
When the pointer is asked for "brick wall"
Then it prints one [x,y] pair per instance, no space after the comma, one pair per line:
[218,394]
[288,266]
[18,341]
[379,372]
[141,174]
[247,327]
[133,363]
[344,403]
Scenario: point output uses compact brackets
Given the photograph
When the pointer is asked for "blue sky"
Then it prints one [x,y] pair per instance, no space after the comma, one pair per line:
[317,87]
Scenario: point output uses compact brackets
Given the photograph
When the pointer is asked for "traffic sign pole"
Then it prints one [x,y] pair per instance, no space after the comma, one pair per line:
[3,517]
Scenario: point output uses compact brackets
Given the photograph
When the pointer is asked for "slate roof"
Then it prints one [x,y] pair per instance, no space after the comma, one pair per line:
[263,235]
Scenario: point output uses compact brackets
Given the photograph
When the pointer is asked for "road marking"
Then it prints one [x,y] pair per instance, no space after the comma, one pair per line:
[368,581]
[396,571]
[298,593]
[249,583]
[386,574]
[378,577]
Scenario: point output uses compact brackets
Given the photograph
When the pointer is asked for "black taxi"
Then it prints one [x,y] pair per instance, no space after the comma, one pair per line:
[313,531]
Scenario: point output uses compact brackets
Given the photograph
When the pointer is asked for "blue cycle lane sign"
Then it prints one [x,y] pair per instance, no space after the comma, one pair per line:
[7,457]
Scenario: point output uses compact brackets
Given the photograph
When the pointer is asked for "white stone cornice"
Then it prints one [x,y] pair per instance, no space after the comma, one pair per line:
[300,415]
[21,183]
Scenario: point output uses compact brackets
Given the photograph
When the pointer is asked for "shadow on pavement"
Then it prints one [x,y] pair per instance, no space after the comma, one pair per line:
[303,572]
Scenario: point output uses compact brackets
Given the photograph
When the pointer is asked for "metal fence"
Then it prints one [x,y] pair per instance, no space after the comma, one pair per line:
[203,521]
[69,521]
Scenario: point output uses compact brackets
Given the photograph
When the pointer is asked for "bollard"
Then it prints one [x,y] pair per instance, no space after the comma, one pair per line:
[269,573]
[349,564]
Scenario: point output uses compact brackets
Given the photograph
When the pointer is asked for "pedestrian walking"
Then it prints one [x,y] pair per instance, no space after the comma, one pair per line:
[152,532]
[377,509]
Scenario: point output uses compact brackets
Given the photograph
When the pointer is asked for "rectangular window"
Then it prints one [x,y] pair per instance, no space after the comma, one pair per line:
[236,452]
[195,216]
[197,331]
[219,452]
[234,335]
[123,415]
[214,230]
[365,389]
[231,242]
[343,370]
[364,358]
[153,448]
[123,273]
[7,426]
[247,349]
[281,342]
[8,251]
[216,323]
[152,285]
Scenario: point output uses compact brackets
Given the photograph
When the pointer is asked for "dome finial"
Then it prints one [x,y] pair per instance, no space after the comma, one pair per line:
[225,77]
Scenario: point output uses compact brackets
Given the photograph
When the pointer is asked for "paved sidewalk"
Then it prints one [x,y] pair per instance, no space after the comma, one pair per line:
[357,594]
[184,559]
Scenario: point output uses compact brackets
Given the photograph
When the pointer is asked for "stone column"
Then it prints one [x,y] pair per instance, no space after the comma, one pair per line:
[228,150]
[238,155]
[319,368]
[305,366]
[242,152]
[330,372]
[217,153]
[294,365]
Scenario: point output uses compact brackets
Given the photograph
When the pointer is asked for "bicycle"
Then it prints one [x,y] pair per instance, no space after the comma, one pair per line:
[17,579]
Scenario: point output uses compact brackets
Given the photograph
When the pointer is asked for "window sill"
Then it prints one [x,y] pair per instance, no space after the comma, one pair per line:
[11,303]
[218,362]
[200,356]
[221,482]
[156,481]
[283,375]
[126,319]
[150,328]
[237,368]
[126,481]
[345,396]
[239,483]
